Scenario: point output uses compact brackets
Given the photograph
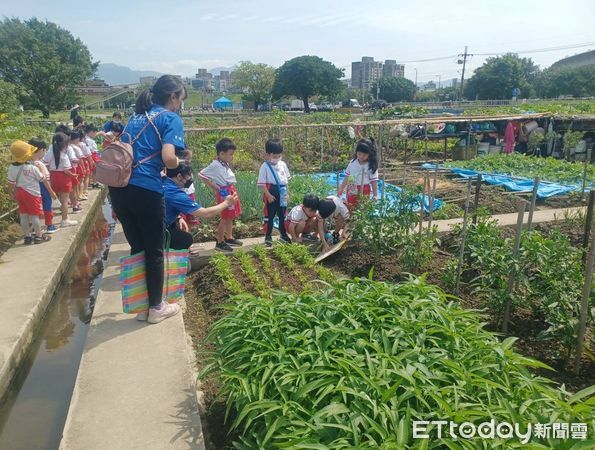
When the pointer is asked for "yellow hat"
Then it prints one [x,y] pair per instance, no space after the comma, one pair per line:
[21,151]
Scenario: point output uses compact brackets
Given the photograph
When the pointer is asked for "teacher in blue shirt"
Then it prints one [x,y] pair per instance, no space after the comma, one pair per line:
[140,206]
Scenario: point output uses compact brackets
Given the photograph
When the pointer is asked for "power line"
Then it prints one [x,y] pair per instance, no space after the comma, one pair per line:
[539,50]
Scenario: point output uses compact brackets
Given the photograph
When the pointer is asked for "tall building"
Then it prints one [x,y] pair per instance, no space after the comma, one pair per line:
[365,72]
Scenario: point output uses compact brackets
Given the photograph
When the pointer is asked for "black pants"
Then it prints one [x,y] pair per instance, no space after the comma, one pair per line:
[272,210]
[142,214]
[180,240]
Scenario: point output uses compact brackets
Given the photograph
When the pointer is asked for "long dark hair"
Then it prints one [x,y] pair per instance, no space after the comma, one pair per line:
[59,142]
[160,93]
[368,146]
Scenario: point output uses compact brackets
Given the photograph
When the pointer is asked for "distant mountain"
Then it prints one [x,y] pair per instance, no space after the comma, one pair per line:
[580,60]
[115,75]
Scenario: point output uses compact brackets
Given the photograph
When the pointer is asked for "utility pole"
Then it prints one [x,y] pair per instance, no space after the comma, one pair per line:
[464,63]
[415,78]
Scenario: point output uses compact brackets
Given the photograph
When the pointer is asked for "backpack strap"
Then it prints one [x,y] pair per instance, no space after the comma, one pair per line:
[274,174]
[133,140]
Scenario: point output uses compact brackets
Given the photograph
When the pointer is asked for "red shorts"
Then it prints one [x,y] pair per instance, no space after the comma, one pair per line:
[352,197]
[29,203]
[230,213]
[95,156]
[60,181]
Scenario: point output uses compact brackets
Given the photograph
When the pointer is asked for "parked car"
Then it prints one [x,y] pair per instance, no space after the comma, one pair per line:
[313,107]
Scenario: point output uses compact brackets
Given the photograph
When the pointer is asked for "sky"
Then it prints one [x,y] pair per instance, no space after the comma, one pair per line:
[179,36]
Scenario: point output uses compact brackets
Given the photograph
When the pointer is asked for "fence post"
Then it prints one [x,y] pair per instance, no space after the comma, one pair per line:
[426,139]
[517,244]
[590,258]
[588,224]
[381,158]
[321,146]
[463,238]
[533,200]
[476,201]
[587,161]
[421,210]
[432,196]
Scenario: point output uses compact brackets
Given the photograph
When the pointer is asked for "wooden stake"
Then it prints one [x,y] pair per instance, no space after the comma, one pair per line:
[476,202]
[321,147]
[517,244]
[426,139]
[585,300]
[463,238]
[533,200]
[381,159]
[588,225]
[432,197]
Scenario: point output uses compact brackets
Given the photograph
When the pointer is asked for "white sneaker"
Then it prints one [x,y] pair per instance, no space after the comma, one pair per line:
[142,316]
[68,223]
[167,310]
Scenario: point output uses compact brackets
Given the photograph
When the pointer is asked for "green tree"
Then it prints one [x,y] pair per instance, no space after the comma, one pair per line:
[9,102]
[395,89]
[256,82]
[45,61]
[305,76]
[498,76]
[575,81]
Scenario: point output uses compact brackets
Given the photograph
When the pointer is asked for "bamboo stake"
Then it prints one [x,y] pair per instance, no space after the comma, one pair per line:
[432,197]
[476,202]
[421,210]
[426,139]
[585,300]
[533,200]
[322,146]
[588,225]
[584,177]
[381,158]
[463,238]
[511,276]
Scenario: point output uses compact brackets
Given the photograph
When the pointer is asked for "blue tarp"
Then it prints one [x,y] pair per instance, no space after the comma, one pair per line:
[391,193]
[545,189]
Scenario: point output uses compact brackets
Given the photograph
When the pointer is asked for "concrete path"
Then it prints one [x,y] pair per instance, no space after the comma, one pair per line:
[135,387]
[546,215]
[29,277]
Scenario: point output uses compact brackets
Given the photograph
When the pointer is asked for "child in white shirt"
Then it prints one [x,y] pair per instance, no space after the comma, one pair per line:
[361,175]
[219,177]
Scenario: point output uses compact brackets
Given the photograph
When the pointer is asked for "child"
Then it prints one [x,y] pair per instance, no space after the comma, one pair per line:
[113,135]
[23,184]
[302,218]
[273,177]
[75,156]
[88,166]
[90,134]
[116,119]
[334,209]
[61,174]
[219,177]
[47,193]
[361,173]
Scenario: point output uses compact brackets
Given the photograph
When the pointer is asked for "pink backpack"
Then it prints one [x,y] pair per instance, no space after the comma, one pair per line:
[115,166]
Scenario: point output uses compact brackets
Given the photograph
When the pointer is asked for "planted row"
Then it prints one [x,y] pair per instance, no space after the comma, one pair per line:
[354,366]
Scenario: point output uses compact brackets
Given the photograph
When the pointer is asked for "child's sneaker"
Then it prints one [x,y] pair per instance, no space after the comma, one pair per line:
[51,229]
[42,238]
[268,241]
[165,311]
[309,237]
[142,316]
[285,238]
[234,242]
[223,246]
[28,240]
[68,223]
[76,209]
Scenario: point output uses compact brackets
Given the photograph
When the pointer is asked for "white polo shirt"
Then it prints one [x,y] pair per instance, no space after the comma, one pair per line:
[340,208]
[265,175]
[355,170]
[219,173]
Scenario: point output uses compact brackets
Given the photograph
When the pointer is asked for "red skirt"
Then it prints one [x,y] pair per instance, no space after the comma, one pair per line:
[84,164]
[76,179]
[60,181]
[352,197]
[95,156]
[29,203]
[234,212]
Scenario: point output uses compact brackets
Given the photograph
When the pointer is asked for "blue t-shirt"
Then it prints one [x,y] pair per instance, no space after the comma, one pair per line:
[176,201]
[170,126]
[107,127]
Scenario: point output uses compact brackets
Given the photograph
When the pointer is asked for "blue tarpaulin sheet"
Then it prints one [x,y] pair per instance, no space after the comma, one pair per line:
[391,192]
[545,189]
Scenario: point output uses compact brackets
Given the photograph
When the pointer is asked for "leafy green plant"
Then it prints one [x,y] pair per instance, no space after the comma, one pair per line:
[267,266]
[279,250]
[571,140]
[303,256]
[352,367]
[448,211]
[224,268]
[247,265]
[547,169]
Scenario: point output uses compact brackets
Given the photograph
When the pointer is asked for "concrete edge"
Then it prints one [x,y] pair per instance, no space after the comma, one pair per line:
[28,331]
